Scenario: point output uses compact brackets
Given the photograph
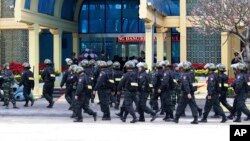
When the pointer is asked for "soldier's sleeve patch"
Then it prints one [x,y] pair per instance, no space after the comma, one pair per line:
[238,77]
[184,77]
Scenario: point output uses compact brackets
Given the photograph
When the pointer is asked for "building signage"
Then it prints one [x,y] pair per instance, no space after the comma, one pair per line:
[174,38]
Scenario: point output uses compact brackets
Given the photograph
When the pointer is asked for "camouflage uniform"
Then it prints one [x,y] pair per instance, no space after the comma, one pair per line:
[7,89]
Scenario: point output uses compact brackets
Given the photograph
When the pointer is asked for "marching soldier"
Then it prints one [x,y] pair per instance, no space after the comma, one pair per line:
[240,86]
[84,86]
[49,78]
[156,84]
[8,80]
[66,74]
[92,68]
[187,97]
[145,87]
[72,82]
[129,83]
[27,80]
[104,85]
[117,75]
[165,89]
[223,87]
[212,99]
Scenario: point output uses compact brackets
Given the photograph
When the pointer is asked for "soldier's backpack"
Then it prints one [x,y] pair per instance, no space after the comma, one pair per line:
[132,83]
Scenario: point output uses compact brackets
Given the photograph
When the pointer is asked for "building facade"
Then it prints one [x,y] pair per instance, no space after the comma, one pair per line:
[32,30]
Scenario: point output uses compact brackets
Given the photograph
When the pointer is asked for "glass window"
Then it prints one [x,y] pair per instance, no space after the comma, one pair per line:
[130,15]
[27,4]
[113,16]
[96,16]
[46,6]
[7,8]
[191,4]
[202,48]
[172,8]
[68,9]
[83,22]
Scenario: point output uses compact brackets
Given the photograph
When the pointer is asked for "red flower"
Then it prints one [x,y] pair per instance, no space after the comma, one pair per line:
[198,66]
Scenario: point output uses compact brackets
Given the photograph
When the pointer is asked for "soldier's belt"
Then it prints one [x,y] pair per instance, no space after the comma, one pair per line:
[52,75]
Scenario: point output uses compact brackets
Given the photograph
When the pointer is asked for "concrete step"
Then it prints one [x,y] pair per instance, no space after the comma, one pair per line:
[58,92]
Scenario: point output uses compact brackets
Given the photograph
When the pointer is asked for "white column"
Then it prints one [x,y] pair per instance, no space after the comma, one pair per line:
[160,43]
[57,39]
[149,43]
[75,43]
[34,54]
[183,31]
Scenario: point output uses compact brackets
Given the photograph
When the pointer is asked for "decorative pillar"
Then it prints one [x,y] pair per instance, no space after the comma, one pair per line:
[34,54]
[169,46]
[34,5]
[183,31]
[57,38]
[149,43]
[75,43]
[160,43]
[225,50]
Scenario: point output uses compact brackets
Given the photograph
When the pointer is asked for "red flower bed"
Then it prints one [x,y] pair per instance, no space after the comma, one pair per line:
[231,80]
[16,68]
[198,66]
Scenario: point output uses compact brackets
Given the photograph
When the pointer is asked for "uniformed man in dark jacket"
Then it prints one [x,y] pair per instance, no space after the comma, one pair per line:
[165,89]
[117,75]
[187,97]
[212,99]
[157,78]
[128,83]
[48,76]
[145,87]
[192,74]
[27,80]
[65,78]
[104,87]
[8,80]
[223,87]
[83,87]
[240,86]
[72,84]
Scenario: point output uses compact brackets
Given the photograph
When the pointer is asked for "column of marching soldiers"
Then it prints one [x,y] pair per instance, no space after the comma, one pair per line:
[172,84]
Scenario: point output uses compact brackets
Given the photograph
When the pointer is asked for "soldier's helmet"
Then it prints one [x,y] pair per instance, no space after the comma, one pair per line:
[79,69]
[116,65]
[186,65]
[47,61]
[241,66]
[84,63]
[73,68]
[6,65]
[26,65]
[109,63]
[165,63]
[135,61]
[129,65]
[91,62]
[210,66]
[234,66]
[157,65]
[68,61]
[221,67]
[102,64]
[140,65]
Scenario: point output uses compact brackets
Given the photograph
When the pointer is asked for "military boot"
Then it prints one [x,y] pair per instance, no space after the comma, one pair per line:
[195,121]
